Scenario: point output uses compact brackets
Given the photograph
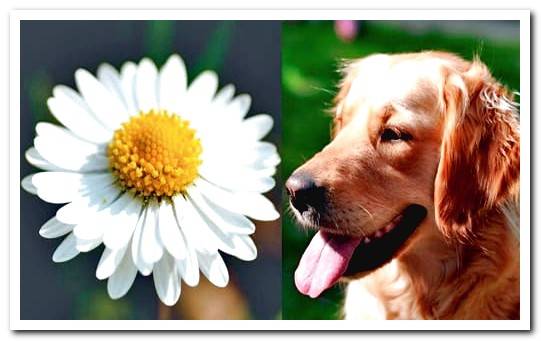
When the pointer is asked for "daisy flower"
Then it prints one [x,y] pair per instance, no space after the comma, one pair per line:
[164,175]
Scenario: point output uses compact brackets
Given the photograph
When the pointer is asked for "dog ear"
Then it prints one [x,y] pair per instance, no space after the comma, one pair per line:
[349,72]
[480,151]
[339,99]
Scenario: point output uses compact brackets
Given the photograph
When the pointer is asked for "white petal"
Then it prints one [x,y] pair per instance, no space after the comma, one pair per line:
[71,110]
[229,243]
[84,208]
[122,217]
[202,90]
[122,279]
[108,109]
[270,171]
[54,228]
[110,78]
[87,245]
[61,148]
[237,181]
[266,157]
[254,205]
[127,75]
[109,261]
[218,145]
[230,170]
[52,132]
[213,267]
[257,127]
[172,84]
[243,247]
[136,246]
[67,154]
[35,159]
[239,106]
[146,85]
[61,187]
[239,165]
[151,246]
[224,95]
[166,280]
[188,268]
[196,234]
[236,170]
[28,186]
[170,234]
[259,155]
[112,220]
[90,229]
[66,250]
[226,220]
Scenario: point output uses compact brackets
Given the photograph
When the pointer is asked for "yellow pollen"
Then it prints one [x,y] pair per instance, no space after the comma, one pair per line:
[155,154]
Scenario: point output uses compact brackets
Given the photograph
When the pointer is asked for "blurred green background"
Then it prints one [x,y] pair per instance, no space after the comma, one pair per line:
[245,53]
[311,53]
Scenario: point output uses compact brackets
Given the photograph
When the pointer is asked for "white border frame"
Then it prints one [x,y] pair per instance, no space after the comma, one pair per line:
[14,236]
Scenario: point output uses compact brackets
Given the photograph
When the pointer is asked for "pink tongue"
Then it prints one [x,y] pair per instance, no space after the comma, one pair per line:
[323,262]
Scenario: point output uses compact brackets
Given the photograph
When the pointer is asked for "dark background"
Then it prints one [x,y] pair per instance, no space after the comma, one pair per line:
[244,53]
[311,55]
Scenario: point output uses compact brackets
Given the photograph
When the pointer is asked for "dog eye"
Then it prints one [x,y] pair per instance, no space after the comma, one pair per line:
[392,134]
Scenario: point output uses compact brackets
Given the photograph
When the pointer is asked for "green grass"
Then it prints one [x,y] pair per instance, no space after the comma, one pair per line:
[311,54]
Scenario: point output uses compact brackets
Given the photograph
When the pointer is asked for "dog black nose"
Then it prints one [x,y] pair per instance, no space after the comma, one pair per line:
[304,192]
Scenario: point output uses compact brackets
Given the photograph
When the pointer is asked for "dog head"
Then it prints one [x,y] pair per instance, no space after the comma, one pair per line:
[423,141]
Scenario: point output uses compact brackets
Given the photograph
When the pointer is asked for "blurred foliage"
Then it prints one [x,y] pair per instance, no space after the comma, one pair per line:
[158,38]
[40,88]
[214,55]
[91,301]
[95,304]
[311,54]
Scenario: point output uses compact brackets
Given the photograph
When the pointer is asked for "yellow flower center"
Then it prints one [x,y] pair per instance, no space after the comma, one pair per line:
[155,154]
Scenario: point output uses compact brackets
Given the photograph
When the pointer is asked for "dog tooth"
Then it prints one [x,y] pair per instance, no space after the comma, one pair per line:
[366,240]
[378,234]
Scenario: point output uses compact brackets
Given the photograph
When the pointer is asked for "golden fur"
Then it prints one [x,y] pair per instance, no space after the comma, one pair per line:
[461,164]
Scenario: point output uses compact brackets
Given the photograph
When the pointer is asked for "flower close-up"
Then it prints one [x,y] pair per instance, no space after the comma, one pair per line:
[164,174]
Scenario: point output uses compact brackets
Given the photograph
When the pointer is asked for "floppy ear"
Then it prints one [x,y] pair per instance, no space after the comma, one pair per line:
[480,151]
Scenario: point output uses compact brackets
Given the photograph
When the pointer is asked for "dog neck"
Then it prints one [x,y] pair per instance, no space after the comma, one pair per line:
[477,280]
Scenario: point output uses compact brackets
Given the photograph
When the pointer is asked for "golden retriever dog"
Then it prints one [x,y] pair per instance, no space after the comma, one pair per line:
[416,198]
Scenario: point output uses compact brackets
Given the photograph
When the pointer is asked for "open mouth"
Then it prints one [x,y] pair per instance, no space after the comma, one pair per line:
[330,256]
